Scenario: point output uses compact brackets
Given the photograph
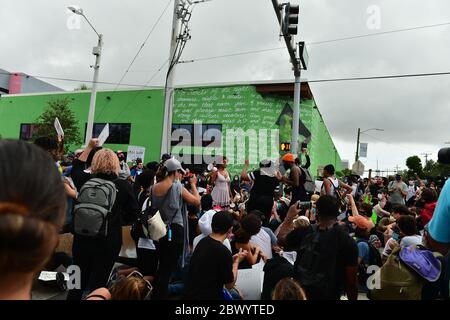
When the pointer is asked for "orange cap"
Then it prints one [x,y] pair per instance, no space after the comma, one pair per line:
[288,157]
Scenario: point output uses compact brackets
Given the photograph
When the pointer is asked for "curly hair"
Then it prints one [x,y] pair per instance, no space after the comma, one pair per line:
[105,161]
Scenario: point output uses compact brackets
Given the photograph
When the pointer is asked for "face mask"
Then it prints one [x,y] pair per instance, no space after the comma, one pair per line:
[380,196]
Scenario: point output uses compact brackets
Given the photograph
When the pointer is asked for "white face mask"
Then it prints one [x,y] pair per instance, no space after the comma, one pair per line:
[380,196]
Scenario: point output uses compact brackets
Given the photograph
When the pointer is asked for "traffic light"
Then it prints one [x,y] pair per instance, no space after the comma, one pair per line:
[285,146]
[290,20]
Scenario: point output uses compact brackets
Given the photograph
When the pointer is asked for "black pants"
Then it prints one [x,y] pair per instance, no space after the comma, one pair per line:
[147,261]
[169,253]
[96,259]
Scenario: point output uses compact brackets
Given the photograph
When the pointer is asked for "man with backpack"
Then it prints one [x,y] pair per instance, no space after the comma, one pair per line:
[327,261]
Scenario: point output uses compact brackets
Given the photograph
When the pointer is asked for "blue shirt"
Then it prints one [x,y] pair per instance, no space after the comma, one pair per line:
[439,226]
[363,251]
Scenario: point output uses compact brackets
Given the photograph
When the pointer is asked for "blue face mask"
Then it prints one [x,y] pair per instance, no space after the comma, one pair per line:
[395,236]
[279,206]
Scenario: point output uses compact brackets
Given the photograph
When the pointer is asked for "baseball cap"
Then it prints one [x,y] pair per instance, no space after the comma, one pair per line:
[288,157]
[173,165]
[361,222]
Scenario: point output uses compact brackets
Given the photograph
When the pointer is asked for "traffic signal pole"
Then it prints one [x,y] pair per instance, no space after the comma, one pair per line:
[297,73]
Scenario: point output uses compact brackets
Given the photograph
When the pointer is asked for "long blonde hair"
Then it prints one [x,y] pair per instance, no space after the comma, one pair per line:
[105,161]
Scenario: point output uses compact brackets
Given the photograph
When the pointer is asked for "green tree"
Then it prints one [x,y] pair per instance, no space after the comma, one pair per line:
[414,165]
[81,87]
[59,108]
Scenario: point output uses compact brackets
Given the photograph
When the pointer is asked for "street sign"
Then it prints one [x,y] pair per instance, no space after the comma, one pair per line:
[358,168]
[363,150]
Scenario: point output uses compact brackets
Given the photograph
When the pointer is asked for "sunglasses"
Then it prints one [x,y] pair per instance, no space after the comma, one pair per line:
[139,275]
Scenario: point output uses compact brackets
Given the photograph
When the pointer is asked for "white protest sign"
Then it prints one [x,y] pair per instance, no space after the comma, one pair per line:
[103,135]
[51,276]
[58,128]
[250,281]
[135,152]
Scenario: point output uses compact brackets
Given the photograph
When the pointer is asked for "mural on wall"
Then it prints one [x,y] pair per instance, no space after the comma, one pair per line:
[284,122]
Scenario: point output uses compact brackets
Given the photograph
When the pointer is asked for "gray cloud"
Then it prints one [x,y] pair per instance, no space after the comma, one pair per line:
[413,112]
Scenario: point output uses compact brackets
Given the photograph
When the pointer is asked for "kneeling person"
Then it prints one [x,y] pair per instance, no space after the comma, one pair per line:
[212,266]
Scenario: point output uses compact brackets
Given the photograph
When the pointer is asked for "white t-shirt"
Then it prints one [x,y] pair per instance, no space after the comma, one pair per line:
[411,241]
[262,240]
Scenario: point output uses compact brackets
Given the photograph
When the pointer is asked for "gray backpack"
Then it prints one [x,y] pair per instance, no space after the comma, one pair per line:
[94,205]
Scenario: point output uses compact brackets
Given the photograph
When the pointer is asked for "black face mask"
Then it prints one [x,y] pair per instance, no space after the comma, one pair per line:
[286,166]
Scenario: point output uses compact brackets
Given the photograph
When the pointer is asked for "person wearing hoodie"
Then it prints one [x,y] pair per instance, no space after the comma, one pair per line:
[429,200]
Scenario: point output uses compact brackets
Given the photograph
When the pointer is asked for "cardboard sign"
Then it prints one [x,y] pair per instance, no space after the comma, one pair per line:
[358,168]
[135,152]
[103,135]
[58,128]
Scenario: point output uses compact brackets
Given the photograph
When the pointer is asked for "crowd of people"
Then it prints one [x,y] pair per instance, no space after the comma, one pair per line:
[195,229]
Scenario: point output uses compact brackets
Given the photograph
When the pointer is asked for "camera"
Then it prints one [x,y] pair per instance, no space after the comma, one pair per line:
[304,205]
[444,156]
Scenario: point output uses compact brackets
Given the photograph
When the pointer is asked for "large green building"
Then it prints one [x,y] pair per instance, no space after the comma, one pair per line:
[249,120]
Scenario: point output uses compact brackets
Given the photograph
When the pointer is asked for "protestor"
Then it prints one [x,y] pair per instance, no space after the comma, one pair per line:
[333,186]
[96,245]
[31,215]
[212,267]
[398,190]
[296,180]
[170,197]
[288,289]
[220,178]
[328,258]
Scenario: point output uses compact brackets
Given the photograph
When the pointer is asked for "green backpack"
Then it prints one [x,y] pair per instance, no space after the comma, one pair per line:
[397,280]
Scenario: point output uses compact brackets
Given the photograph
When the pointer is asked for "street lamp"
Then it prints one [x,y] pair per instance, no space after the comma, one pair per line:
[97,52]
[357,140]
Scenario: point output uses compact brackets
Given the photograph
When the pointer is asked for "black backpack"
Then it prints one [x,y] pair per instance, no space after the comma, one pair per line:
[315,267]
[374,260]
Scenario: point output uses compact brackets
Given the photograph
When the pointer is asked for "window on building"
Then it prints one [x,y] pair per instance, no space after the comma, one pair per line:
[27,131]
[185,134]
[119,133]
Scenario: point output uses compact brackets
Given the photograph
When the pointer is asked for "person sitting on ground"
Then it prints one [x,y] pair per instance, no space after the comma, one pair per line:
[262,237]
[131,287]
[212,266]
[288,289]
[428,198]
[408,232]
[31,214]
[242,238]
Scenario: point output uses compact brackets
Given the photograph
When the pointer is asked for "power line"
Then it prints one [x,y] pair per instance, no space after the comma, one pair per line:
[413,75]
[379,33]
[138,52]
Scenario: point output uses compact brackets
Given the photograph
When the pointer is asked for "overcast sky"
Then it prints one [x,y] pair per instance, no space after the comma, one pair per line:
[36,39]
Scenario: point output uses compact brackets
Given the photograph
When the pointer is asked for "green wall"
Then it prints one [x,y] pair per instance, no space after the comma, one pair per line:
[235,107]
[143,109]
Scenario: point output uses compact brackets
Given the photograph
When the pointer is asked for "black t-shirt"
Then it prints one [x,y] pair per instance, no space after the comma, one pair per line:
[211,267]
[262,185]
[336,241]
[78,175]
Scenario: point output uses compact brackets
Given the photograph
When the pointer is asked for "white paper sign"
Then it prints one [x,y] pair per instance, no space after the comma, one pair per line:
[103,135]
[250,282]
[51,276]
[58,128]
[135,152]
[358,168]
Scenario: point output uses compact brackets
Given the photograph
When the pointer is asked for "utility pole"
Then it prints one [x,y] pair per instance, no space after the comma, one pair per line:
[97,51]
[426,157]
[288,23]
[357,145]
[180,35]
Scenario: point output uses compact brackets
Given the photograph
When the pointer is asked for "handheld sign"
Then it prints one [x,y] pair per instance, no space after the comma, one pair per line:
[103,135]
[58,128]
